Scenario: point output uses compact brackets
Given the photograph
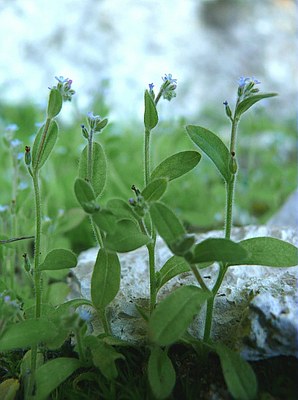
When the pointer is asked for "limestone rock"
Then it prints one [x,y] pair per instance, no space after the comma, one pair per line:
[255,310]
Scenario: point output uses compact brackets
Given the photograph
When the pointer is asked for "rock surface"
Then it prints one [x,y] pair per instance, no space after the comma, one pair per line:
[255,310]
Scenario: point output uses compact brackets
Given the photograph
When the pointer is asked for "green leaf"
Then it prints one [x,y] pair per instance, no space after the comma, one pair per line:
[54,104]
[239,376]
[150,114]
[50,375]
[99,167]
[213,147]
[122,209]
[42,150]
[105,220]
[126,237]
[216,249]
[161,373]
[59,259]
[173,267]
[105,280]
[173,315]
[155,189]
[26,334]
[9,389]
[176,165]
[85,195]
[245,104]
[270,252]
[103,356]
[166,222]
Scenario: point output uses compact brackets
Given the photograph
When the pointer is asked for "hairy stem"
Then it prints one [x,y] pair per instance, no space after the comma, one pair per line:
[147,157]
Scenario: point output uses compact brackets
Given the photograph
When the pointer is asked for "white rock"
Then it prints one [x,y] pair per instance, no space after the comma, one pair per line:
[255,310]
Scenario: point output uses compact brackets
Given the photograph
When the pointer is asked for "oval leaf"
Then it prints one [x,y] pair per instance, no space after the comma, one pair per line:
[122,209]
[44,143]
[103,356]
[99,167]
[173,267]
[85,195]
[105,220]
[126,237]
[269,252]
[173,315]
[50,375]
[166,222]
[176,165]
[27,333]
[105,280]
[161,373]
[213,147]
[59,259]
[150,114]
[245,104]
[54,104]
[239,376]
[155,189]
[217,249]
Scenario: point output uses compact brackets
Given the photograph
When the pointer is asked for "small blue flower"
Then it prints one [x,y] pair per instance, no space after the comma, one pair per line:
[12,127]
[85,315]
[168,78]
[243,81]
[151,86]
[15,143]
[255,81]
[225,103]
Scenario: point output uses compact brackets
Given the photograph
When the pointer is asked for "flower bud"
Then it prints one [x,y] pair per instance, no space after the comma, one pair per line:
[228,110]
[27,263]
[233,164]
[27,155]
[85,132]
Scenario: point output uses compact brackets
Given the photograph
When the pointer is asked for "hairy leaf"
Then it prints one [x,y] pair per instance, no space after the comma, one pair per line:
[126,237]
[173,267]
[173,315]
[217,249]
[155,189]
[50,375]
[105,280]
[161,373]
[150,114]
[245,104]
[213,147]
[270,252]
[239,376]
[59,259]
[99,167]
[176,165]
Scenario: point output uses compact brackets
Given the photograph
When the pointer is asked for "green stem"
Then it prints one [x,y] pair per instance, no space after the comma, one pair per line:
[103,318]
[153,292]
[90,156]
[230,188]
[147,156]
[210,302]
[36,272]
[96,232]
[198,277]
[37,245]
